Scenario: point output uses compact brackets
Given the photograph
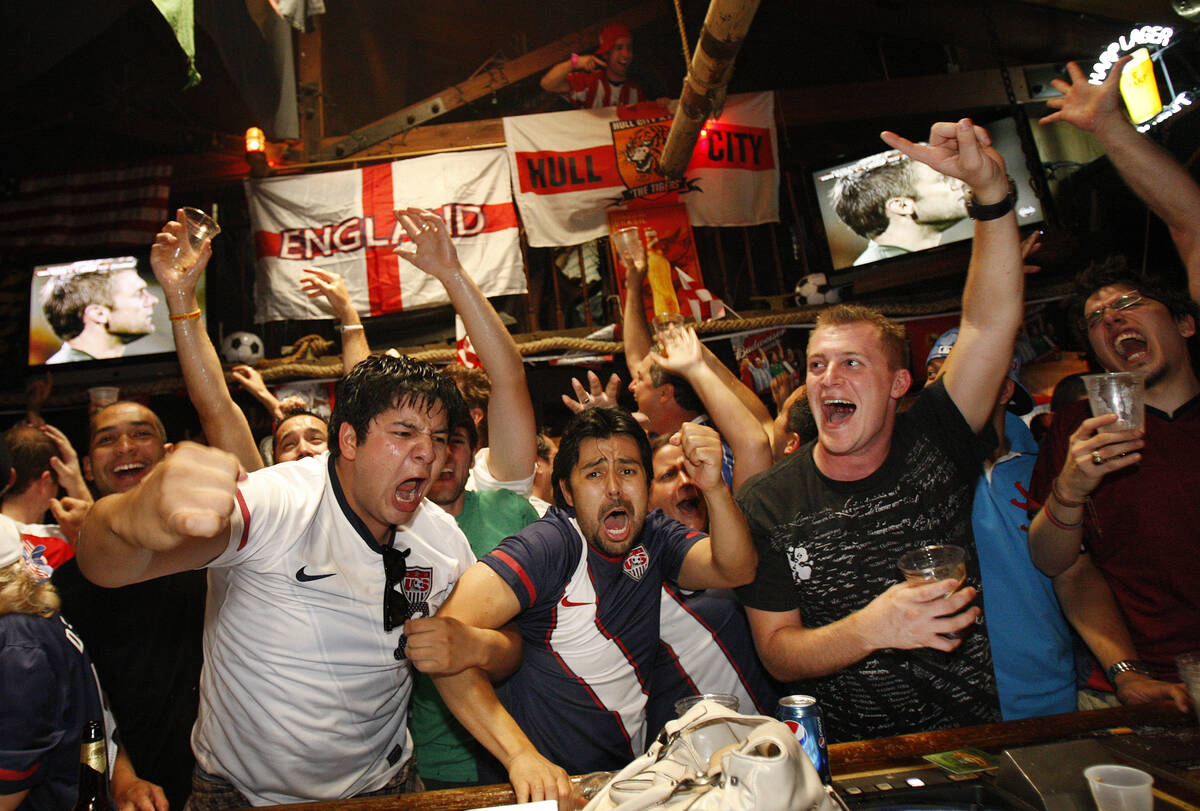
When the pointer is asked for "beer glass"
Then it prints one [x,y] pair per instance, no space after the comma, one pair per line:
[930,564]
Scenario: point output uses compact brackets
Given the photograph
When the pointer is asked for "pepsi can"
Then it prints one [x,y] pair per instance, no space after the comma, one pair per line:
[802,714]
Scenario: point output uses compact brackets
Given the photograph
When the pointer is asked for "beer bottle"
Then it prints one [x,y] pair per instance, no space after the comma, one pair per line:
[93,771]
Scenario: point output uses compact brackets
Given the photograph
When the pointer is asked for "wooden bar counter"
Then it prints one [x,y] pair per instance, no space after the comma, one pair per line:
[894,754]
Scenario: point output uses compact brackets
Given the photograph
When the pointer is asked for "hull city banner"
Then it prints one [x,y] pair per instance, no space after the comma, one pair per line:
[570,169]
[345,222]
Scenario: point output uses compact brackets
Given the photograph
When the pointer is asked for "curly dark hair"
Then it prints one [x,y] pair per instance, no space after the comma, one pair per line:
[595,423]
[381,382]
[1116,270]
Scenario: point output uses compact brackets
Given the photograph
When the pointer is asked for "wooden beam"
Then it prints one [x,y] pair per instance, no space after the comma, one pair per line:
[488,82]
[898,97]
[311,99]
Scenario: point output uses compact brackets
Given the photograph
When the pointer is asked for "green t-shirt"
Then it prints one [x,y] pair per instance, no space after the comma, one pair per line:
[446,751]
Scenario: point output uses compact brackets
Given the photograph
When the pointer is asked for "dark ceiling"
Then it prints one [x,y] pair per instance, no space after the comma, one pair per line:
[102,81]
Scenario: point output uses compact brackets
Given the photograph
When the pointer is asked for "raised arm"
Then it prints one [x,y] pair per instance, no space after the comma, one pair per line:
[176,518]
[320,282]
[727,557]
[1088,603]
[634,329]
[66,465]
[741,429]
[223,422]
[481,599]
[1057,529]
[1151,171]
[555,79]
[512,429]
[993,298]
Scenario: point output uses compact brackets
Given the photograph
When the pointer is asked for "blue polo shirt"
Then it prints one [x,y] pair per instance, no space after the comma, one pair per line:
[1031,643]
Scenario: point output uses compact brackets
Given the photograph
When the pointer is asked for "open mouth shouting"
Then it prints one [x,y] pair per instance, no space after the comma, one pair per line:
[689,508]
[616,524]
[836,412]
[1130,345]
[407,495]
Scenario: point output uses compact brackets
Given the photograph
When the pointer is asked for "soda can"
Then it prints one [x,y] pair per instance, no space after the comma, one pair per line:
[802,714]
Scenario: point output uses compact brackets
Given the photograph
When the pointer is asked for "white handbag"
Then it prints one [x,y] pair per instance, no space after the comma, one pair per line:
[713,758]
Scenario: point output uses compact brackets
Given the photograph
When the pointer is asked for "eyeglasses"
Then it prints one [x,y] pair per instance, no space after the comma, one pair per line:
[1125,302]
[396,609]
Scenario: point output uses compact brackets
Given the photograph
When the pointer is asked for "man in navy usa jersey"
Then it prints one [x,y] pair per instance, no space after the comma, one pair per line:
[583,585]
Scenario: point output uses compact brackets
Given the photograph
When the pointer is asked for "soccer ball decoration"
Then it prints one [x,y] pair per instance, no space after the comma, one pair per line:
[815,289]
[242,347]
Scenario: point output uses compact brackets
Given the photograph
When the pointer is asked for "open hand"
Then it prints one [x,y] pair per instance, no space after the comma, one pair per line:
[1087,106]
[432,250]
[595,396]
[321,282]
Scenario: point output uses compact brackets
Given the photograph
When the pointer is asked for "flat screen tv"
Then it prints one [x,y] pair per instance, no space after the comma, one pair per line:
[869,214]
[97,312]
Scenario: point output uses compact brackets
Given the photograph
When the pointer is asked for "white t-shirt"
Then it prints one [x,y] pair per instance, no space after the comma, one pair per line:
[302,697]
[480,478]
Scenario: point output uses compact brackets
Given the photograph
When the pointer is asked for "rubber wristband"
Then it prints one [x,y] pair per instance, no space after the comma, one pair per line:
[574,61]
[1058,497]
[1058,523]
[351,327]
[192,316]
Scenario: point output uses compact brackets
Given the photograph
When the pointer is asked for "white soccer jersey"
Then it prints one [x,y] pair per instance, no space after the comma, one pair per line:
[302,697]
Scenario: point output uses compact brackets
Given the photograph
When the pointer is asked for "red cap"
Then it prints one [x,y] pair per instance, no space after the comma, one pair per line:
[610,35]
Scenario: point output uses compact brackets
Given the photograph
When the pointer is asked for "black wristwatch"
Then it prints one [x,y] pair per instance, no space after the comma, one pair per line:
[1125,666]
[991,211]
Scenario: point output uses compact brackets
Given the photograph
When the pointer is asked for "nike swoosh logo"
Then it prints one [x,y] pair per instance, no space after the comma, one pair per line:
[569,604]
[305,577]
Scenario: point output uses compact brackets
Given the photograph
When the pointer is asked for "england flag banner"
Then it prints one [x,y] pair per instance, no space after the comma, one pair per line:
[345,222]
[570,168]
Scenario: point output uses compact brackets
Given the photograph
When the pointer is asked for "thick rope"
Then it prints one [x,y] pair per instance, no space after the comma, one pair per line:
[687,52]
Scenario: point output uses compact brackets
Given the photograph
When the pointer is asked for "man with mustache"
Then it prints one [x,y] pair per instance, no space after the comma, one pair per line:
[1119,506]
[583,585]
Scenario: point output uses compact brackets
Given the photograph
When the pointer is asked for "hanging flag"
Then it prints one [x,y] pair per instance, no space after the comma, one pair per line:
[345,222]
[108,208]
[570,168]
[465,352]
[702,304]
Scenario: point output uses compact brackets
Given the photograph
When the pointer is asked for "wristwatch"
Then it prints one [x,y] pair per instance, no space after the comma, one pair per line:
[1125,666]
[991,211]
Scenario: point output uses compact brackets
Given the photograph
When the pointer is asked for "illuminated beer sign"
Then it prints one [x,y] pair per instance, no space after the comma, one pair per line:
[1139,84]
[1159,35]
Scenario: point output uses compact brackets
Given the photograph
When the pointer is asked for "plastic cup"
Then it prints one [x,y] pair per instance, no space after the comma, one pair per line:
[101,397]
[929,564]
[1188,665]
[1120,788]
[628,242]
[665,324]
[724,699]
[1120,393]
[200,227]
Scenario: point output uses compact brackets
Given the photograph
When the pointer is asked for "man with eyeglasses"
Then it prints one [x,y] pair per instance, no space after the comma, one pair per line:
[1120,506]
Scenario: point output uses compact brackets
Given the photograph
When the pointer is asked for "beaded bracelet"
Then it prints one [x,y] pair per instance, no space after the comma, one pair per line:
[1058,523]
[1058,496]
[193,315]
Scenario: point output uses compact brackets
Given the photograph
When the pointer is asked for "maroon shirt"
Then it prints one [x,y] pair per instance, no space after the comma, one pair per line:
[1142,529]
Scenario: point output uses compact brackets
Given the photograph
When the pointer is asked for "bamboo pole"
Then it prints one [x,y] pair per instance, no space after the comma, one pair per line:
[725,28]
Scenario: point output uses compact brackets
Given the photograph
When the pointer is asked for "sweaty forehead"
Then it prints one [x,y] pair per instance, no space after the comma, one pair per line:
[859,337]
[1106,295]
[594,451]
[122,416]
[300,424]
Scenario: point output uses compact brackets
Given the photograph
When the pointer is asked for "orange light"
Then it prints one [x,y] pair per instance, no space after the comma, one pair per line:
[703,133]
[256,140]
